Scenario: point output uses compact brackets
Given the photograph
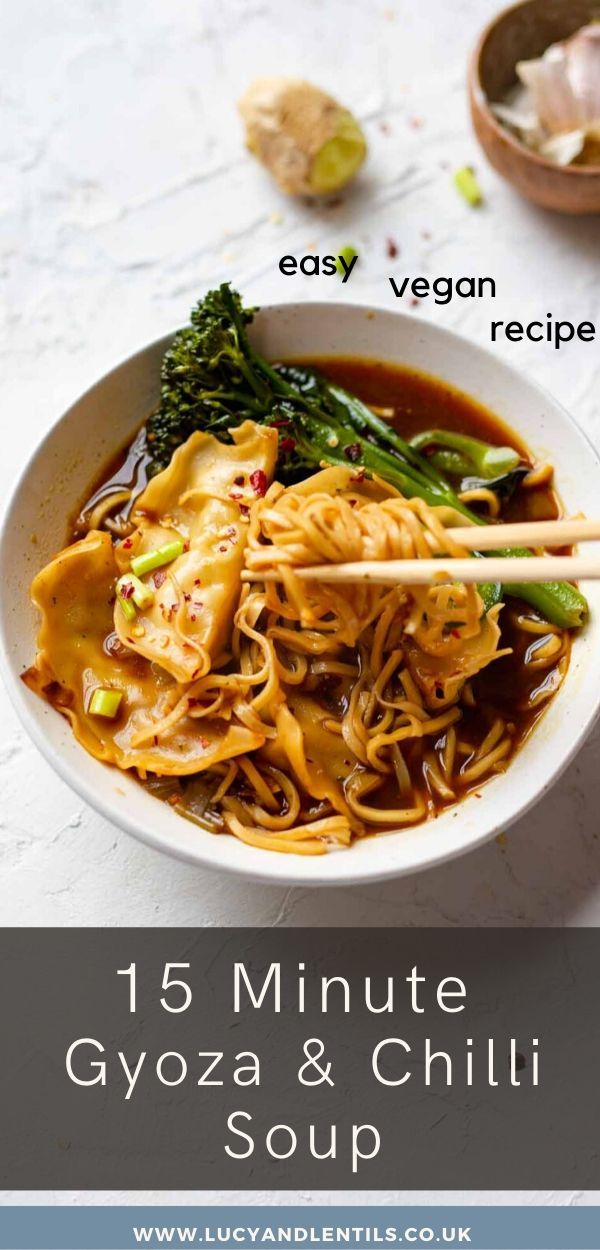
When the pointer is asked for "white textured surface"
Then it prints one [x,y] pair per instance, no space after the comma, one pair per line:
[125,191]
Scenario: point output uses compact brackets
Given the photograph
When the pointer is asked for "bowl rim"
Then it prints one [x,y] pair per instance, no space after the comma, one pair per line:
[282,870]
[480,98]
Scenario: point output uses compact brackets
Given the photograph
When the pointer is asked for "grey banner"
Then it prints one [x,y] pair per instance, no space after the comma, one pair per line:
[520,1049]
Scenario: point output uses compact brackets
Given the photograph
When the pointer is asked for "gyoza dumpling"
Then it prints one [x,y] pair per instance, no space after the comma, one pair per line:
[78,652]
[202,498]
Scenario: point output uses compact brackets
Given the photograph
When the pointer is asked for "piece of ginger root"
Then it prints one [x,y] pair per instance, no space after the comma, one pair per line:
[307,141]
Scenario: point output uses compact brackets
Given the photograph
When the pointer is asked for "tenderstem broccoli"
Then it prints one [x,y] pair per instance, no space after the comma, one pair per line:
[213,378]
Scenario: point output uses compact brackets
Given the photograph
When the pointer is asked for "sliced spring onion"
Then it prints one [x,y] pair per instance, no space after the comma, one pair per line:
[156,559]
[105,703]
[467,185]
[131,589]
[127,607]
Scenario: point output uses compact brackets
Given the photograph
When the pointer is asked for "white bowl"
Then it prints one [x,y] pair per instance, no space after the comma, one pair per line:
[87,436]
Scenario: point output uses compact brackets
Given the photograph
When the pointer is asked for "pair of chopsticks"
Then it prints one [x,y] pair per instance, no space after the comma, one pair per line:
[474,538]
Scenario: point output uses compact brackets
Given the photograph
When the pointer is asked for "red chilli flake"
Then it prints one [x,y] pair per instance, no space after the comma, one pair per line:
[358,477]
[244,509]
[204,743]
[258,482]
[353,452]
[159,578]
[239,480]
[126,591]
[287,444]
[128,544]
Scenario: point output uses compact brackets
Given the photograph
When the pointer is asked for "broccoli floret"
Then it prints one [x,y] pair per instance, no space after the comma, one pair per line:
[207,381]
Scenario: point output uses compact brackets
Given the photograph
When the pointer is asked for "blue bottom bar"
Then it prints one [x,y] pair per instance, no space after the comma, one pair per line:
[299,1228]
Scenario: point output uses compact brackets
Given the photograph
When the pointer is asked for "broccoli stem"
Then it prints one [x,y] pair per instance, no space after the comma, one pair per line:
[338,445]
[450,462]
[558,602]
[361,417]
[484,459]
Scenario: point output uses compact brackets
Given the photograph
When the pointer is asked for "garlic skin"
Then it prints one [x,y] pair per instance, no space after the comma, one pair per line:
[556,110]
[583,69]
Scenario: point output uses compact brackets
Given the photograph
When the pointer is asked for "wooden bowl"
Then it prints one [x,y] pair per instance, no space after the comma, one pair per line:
[520,33]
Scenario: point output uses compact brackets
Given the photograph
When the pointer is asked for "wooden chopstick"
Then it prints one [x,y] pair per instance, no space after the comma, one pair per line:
[473,538]
[426,572]
[525,534]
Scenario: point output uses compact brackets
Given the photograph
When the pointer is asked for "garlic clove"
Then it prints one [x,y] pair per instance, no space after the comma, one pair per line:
[565,148]
[564,83]
[584,72]
[550,91]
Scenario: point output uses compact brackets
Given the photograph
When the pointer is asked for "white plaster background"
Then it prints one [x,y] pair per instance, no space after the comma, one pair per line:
[125,191]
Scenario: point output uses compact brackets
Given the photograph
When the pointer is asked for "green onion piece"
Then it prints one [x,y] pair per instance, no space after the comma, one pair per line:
[347,253]
[127,607]
[467,186]
[155,559]
[105,703]
[131,589]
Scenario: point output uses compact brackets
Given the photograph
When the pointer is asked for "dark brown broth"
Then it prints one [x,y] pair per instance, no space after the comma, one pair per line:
[422,402]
